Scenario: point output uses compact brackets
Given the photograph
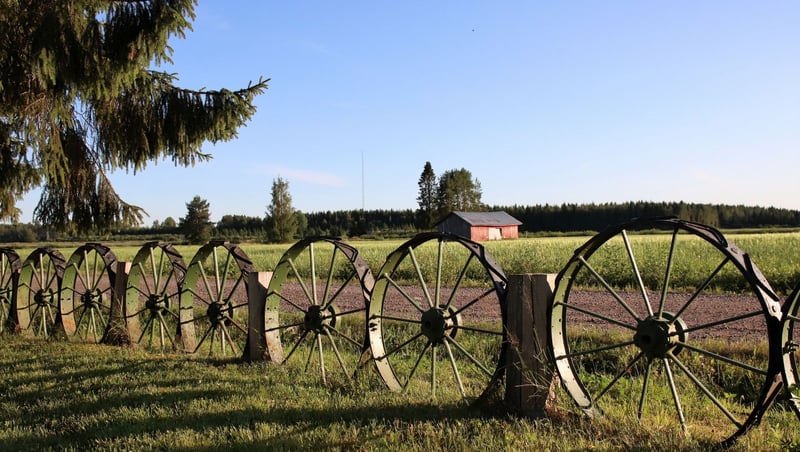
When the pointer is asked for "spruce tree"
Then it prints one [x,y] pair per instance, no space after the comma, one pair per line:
[79,99]
[196,225]
[282,218]
[426,214]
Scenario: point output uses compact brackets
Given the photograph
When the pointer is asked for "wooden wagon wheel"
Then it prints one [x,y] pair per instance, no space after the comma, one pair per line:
[38,293]
[152,296]
[426,330]
[10,265]
[320,320]
[659,352]
[87,290]
[213,301]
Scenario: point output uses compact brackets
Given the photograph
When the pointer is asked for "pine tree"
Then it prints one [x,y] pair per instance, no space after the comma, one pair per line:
[281,214]
[78,100]
[196,225]
[458,191]
[426,214]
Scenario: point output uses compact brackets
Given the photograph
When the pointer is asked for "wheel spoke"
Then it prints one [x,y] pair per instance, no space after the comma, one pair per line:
[610,289]
[300,280]
[594,350]
[636,272]
[404,294]
[597,315]
[724,359]
[421,279]
[457,284]
[675,397]
[668,273]
[469,355]
[705,390]
[475,300]
[455,368]
[619,375]
[401,346]
[416,364]
[702,287]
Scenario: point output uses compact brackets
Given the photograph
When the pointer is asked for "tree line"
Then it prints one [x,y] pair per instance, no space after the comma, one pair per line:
[387,223]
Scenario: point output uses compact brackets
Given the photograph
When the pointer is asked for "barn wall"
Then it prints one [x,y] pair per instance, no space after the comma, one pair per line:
[455,225]
[481,233]
[510,232]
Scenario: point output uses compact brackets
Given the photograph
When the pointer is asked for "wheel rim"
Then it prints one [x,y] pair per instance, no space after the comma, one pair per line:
[39,288]
[311,316]
[790,348]
[152,296]
[10,265]
[657,343]
[427,328]
[88,288]
[214,312]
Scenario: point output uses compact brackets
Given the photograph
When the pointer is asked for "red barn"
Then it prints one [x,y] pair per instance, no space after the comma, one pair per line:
[479,226]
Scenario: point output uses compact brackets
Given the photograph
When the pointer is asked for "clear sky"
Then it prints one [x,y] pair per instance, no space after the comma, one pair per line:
[544,102]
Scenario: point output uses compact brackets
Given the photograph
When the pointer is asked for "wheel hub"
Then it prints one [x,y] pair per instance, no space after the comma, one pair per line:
[317,319]
[218,314]
[91,298]
[657,336]
[436,322]
[42,297]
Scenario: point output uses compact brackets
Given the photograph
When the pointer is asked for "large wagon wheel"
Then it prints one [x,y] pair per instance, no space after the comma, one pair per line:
[10,265]
[87,291]
[213,302]
[436,318]
[40,278]
[312,309]
[664,353]
[152,296]
[790,345]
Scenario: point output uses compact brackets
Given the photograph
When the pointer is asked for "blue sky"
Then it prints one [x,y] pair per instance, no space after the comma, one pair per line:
[544,102]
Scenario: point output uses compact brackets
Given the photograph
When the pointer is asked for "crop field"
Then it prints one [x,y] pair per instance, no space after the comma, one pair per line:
[69,394]
[776,254]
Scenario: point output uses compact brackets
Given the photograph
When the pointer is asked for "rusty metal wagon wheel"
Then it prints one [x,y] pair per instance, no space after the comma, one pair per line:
[213,301]
[152,296]
[10,264]
[87,290]
[38,310]
[436,318]
[316,307]
[664,354]
[790,346]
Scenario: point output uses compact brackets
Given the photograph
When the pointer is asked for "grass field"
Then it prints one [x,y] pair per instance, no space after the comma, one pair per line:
[69,396]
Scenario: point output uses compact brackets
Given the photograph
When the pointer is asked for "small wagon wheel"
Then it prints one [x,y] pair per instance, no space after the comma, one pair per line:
[10,265]
[790,335]
[311,309]
[38,292]
[427,329]
[657,351]
[213,302]
[87,290]
[152,296]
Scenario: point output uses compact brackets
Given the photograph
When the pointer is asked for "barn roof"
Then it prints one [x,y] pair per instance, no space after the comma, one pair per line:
[485,218]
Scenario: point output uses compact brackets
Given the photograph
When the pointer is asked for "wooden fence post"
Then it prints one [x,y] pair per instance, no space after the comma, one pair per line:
[530,377]
[117,329]
[256,348]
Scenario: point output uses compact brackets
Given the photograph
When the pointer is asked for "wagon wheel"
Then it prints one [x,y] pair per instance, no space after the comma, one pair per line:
[38,292]
[790,335]
[664,353]
[320,319]
[428,330]
[213,301]
[152,296]
[10,265]
[87,290]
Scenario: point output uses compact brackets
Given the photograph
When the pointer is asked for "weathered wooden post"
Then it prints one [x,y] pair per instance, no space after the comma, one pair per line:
[116,332]
[256,349]
[530,377]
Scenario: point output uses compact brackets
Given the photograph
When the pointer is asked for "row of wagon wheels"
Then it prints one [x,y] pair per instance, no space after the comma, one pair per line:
[439,321]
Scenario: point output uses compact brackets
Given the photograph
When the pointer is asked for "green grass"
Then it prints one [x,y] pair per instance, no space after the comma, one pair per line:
[58,395]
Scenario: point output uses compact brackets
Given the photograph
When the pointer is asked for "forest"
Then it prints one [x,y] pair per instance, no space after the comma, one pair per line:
[380,223]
